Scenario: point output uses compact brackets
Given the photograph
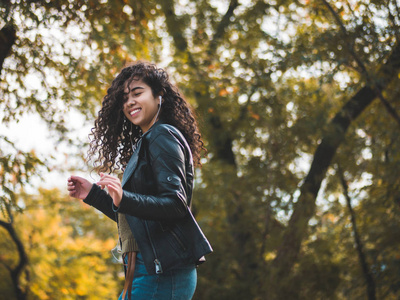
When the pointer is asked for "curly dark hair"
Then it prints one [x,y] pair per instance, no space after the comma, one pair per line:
[112,136]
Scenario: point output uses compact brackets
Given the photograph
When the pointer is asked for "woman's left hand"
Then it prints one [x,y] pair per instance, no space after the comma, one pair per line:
[113,185]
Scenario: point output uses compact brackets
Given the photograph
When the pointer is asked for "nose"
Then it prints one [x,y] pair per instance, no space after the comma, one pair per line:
[130,102]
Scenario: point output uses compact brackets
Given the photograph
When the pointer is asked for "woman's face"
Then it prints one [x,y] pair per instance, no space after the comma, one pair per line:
[141,106]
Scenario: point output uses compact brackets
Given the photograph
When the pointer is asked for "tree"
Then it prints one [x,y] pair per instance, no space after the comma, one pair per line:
[45,73]
[68,247]
[304,51]
[284,91]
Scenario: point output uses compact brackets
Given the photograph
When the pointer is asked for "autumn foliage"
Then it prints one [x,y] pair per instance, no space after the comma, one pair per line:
[298,106]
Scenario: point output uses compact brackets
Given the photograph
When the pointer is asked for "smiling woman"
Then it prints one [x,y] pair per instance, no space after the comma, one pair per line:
[148,130]
[141,107]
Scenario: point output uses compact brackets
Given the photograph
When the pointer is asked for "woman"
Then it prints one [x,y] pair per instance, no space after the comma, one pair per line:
[147,129]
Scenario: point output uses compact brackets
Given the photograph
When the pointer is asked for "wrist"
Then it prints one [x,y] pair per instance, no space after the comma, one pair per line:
[117,202]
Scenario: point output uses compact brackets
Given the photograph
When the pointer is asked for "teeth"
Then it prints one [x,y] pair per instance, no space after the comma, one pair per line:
[134,111]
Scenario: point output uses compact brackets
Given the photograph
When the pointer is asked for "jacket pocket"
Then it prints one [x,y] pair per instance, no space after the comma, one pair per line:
[169,179]
[176,238]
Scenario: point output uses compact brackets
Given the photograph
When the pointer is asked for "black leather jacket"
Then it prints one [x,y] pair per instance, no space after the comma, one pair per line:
[157,191]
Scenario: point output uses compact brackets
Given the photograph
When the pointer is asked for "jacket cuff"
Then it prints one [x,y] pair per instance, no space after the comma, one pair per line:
[91,197]
[116,208]
[123,205]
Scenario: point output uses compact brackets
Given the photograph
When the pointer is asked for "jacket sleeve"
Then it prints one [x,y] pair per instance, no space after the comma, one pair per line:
[167,160]
[100,200]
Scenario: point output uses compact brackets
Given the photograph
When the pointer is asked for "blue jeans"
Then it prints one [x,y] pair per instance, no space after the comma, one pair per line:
[176,284]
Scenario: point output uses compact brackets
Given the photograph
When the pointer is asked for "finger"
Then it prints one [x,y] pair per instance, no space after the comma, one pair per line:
[108,180]
[74,178]
[114,182]
[108,176]
[102,183]
[113,187]
[70,184]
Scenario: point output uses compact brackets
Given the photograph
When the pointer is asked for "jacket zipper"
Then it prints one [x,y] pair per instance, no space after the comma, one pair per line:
[157,262]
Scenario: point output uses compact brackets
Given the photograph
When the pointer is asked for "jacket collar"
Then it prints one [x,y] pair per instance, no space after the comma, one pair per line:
[131,166]
[159,122]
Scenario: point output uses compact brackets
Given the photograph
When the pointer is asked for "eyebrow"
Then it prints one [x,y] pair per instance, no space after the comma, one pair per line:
[136,88]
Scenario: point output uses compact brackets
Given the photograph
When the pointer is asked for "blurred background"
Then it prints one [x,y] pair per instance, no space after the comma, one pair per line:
[298,104]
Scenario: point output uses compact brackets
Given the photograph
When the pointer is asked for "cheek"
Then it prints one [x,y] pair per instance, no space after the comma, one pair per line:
[124,110]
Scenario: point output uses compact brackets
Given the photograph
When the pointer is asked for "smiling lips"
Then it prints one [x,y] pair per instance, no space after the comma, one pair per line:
[135,111]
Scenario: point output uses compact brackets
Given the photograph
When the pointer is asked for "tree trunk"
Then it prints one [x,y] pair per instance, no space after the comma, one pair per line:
[220,143]
[15,273]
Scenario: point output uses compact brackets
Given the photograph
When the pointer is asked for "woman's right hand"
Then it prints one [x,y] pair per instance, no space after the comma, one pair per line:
[78,187]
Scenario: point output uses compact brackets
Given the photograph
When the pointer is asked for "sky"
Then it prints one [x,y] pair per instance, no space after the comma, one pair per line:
[32,133]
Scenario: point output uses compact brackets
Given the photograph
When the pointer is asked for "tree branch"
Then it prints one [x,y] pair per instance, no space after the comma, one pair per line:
[244,109]
[334,136]
[392,18]
[361,65]
[23,260]
[371,292]
[220,31]
[221,142]
[397,10]
[8,36]
[176,31]
[173,25]
[344,31]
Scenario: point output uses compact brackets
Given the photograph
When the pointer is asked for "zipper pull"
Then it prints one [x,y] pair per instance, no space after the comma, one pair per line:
[157,263]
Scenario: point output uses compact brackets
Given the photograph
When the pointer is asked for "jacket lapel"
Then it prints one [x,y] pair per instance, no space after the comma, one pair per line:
[131,166]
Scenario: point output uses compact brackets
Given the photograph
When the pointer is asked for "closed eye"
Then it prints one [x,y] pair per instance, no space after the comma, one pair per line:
[136,91]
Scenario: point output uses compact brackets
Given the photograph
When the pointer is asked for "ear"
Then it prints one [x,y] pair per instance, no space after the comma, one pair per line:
[162,93]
